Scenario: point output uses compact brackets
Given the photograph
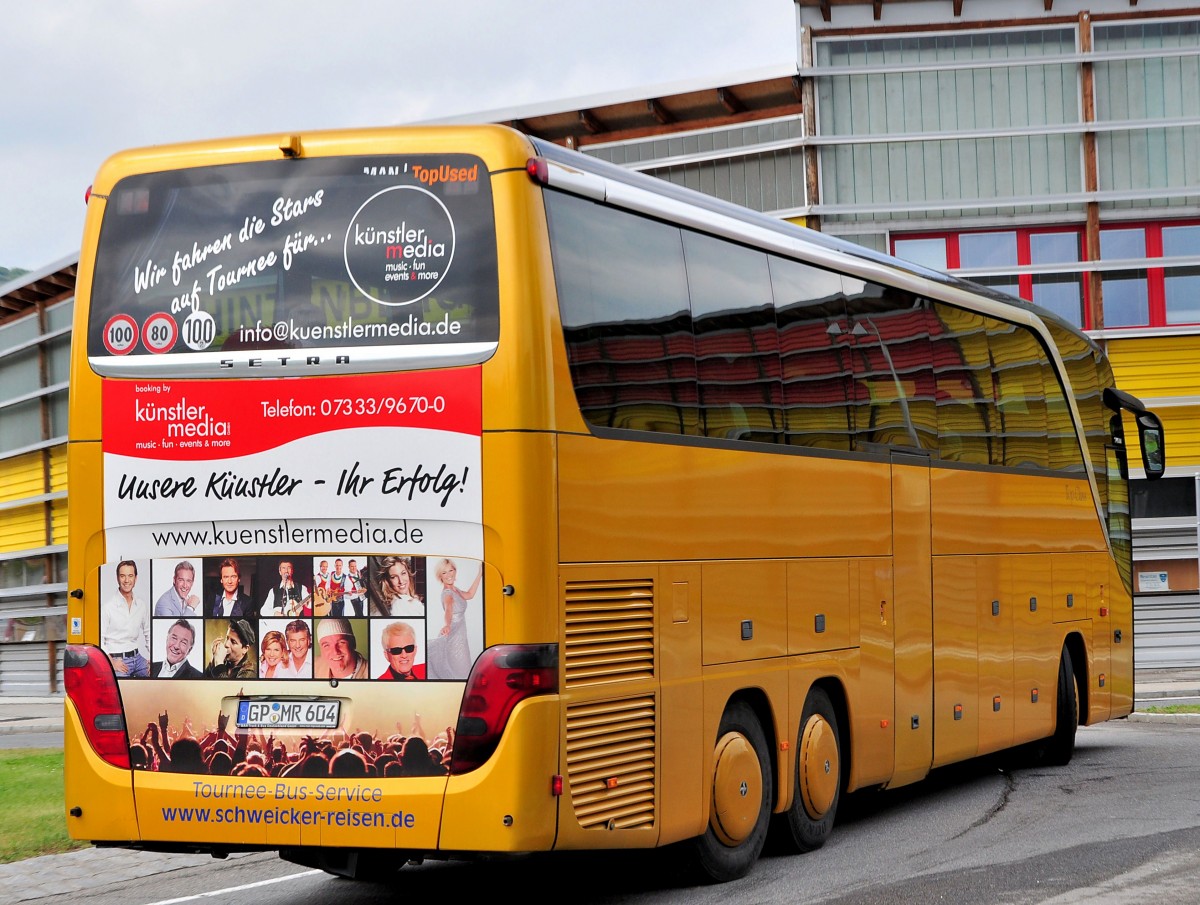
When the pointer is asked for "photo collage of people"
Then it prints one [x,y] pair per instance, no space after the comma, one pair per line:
[341,616]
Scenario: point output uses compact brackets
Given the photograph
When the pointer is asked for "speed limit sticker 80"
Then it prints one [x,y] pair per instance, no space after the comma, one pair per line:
[159,332]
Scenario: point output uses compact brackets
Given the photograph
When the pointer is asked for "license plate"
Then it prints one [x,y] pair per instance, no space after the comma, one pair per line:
[283,714]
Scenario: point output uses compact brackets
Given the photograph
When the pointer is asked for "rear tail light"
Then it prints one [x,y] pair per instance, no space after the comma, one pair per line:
[92,688]
[502,677]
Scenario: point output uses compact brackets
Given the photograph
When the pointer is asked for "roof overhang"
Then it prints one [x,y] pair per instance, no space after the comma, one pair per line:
[676,106]
[52,283]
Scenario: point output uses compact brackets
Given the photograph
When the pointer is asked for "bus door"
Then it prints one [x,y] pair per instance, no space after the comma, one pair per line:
[895,413]
[912,614]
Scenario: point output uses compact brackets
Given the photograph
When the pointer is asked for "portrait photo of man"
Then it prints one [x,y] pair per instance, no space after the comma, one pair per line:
[229,601]
[403,659]
[287,596]
[339,657]
[125,624]
[298,637]
[178,645]
[179,599]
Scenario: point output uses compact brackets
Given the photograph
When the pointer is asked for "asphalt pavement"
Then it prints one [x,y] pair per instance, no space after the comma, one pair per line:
[37,722]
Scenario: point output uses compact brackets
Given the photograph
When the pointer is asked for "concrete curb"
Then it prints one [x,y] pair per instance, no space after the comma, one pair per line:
[1178,719]
[39,726]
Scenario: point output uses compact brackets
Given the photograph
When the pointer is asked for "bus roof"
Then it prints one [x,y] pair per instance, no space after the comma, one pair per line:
[611,171]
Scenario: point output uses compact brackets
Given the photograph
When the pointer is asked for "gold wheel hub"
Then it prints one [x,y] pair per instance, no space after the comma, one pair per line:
[737,789]
[818,767]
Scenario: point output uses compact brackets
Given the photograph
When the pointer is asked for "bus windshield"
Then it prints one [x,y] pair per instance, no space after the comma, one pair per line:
[359,263]
[291,488]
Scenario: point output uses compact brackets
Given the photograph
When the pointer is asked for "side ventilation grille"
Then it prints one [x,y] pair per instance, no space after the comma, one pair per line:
[610,763]
[609,632]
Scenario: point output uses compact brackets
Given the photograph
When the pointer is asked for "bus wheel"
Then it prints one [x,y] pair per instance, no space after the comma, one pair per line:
[1061,745]
[742,793]
[818,774]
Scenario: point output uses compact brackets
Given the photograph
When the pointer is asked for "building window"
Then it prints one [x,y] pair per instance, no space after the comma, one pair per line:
[1181,285]
[1126,292]
[1055,291]
[994,251]
[926,252]
[1049,273]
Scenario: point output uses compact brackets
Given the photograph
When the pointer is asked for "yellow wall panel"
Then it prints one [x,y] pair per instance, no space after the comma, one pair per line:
[58,468]
[21,477]
[1161,367]
[1182,428]
[59,510]
[22,528]
[1156,366]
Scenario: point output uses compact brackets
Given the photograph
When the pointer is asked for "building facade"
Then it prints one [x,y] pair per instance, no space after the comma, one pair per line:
[35,343]
[1050,149]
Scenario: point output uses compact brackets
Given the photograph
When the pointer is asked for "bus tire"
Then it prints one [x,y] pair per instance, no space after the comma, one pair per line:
[740,804]
[1061,745]
[818,774]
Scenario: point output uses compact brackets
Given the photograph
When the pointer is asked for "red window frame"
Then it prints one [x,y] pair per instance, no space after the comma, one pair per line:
[1155,276]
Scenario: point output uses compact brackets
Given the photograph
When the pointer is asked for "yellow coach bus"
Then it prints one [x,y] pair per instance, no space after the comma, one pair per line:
[441,492]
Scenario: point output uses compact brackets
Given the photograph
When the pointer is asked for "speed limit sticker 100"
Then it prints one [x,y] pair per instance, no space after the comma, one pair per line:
[120,334]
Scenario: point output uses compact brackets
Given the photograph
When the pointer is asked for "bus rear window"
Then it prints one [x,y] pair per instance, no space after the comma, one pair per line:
[319,265]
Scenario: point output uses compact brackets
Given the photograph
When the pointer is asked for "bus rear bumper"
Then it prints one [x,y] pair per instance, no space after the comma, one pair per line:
[505,806]
[508,804]
[98,796]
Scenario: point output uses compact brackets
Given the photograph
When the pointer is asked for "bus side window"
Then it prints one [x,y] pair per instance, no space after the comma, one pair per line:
[627,326]
[895,382]
[1020,396]
[737,342]
[1064,451]
[816,372]
[966,407]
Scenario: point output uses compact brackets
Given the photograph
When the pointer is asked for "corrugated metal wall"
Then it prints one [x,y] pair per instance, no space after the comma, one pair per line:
[1166,631]
[25,669]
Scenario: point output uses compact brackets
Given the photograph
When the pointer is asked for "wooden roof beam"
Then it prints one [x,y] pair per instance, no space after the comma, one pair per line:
[25,296]
[588,120]
[58,281]
[730,101]
[660,113]
[826,12]
[878,4]
[958,4]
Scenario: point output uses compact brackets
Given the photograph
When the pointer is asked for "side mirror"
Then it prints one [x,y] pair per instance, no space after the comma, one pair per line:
[1150,434]
[1150,430]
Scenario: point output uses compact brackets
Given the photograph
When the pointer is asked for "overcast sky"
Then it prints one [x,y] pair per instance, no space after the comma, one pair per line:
[81,79]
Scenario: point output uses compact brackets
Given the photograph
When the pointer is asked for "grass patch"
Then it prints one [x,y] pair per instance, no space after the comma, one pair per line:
[1173,708]
[31,820]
